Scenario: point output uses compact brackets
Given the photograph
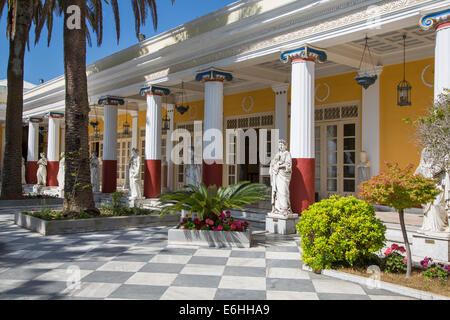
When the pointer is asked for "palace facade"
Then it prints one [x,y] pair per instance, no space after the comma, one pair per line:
[263,64]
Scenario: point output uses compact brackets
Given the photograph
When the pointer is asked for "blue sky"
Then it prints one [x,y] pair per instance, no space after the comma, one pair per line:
[47,62]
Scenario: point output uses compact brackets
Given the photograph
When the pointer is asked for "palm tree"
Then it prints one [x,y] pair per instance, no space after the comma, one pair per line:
[21,15]
[209,203]
[78,191]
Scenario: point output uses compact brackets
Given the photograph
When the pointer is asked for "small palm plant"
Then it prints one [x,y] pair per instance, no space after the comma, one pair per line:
[209,203]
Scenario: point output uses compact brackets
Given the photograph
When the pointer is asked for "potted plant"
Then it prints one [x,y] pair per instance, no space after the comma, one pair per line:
[214,224]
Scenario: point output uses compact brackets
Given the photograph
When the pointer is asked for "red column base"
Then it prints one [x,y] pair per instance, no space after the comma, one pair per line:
[30,174]
[152,179]
[109,176]
[302,184]
[212,174]
[52,173]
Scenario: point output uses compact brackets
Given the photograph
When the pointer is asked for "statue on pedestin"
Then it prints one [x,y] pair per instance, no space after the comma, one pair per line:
[435,216]
[280,178]
[193,171]
[42,170]
[95,172]
[135,175]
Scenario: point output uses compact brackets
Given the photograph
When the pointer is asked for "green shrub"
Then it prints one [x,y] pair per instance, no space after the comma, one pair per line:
[340,232]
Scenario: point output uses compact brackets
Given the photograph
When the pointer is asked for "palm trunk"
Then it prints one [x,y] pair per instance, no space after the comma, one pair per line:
[405,238]
[78,190]
[12,162]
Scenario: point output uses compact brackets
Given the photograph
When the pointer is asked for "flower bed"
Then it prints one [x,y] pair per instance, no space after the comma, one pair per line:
[225,222]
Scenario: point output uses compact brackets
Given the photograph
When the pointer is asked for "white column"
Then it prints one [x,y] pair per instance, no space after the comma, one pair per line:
[213,107]
[134,129]
[442,59]
[281,112]
[170,116]
[153,127]
[302,110]
[371,124]
[33,142]
[110,133]
[53,139]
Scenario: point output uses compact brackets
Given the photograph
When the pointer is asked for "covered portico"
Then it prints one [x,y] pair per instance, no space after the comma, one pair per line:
[285,67]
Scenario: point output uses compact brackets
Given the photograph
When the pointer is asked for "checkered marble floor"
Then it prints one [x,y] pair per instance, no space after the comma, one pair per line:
[139,264]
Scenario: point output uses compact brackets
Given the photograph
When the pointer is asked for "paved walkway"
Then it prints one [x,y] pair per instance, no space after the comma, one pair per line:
[139,264]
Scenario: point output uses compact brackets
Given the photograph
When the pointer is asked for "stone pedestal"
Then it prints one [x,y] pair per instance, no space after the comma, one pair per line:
[432,244]
[281,224]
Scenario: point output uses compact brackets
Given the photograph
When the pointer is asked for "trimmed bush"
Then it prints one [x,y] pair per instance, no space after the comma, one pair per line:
[340,231]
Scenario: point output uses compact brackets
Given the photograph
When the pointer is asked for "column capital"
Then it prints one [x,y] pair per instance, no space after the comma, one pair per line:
[213,75]
[111,101]
[154,90]
[35,119]
[281,88]
[435,19]
[305,52]
[54,115]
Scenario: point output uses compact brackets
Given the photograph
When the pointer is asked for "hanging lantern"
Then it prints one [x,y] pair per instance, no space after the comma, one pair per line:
[404,88]
[95,125]
[126,125]
[364,78]
[182,109]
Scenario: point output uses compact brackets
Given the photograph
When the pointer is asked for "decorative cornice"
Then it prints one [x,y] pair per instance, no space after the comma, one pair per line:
[54,115]
[34,119]
[153,90]
[213,75]
[434,19]
[304,52]
[111,101]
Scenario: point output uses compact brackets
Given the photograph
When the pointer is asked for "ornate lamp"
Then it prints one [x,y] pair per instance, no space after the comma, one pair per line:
[126,124]
[404,88]
[182,109]
[165,120]
[95,124]
[364,78]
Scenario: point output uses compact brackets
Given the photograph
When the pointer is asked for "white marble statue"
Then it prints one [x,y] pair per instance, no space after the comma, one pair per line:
[435,217]
[363,168]
[24,181]
[135,175]
[192,171]
[280,178]
[95,172]
[42,170]
[61,174]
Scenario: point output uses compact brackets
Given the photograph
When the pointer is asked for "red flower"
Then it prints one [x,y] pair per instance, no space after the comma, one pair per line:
[228,213]
[388,251]
[394,247]
[402,249]
[405,260]
[233,227]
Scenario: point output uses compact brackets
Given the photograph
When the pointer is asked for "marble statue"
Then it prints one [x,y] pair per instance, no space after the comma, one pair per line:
[61,174]
[95,172]
[435,217]
[42,170]
[280,178]
[363,168]
[23,171]
[193,171]
[135,175]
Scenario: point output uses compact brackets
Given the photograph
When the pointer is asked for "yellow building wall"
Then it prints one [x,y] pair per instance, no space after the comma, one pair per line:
[397,141]
[343,88]
[264,101]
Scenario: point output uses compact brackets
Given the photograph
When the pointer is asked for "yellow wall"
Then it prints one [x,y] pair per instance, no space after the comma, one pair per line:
[397,141]
[343,88]
[264,101]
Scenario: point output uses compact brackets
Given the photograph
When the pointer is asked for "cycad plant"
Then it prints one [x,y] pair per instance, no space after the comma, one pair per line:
[209,203]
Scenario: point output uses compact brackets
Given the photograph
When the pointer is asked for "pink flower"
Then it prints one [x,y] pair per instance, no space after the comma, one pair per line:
[223,215]
[210,222]
[228,213]
[219,228]
[233,227]
[405,260]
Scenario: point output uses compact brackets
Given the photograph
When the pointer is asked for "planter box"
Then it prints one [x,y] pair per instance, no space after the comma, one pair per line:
[210,238]
[47,228]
